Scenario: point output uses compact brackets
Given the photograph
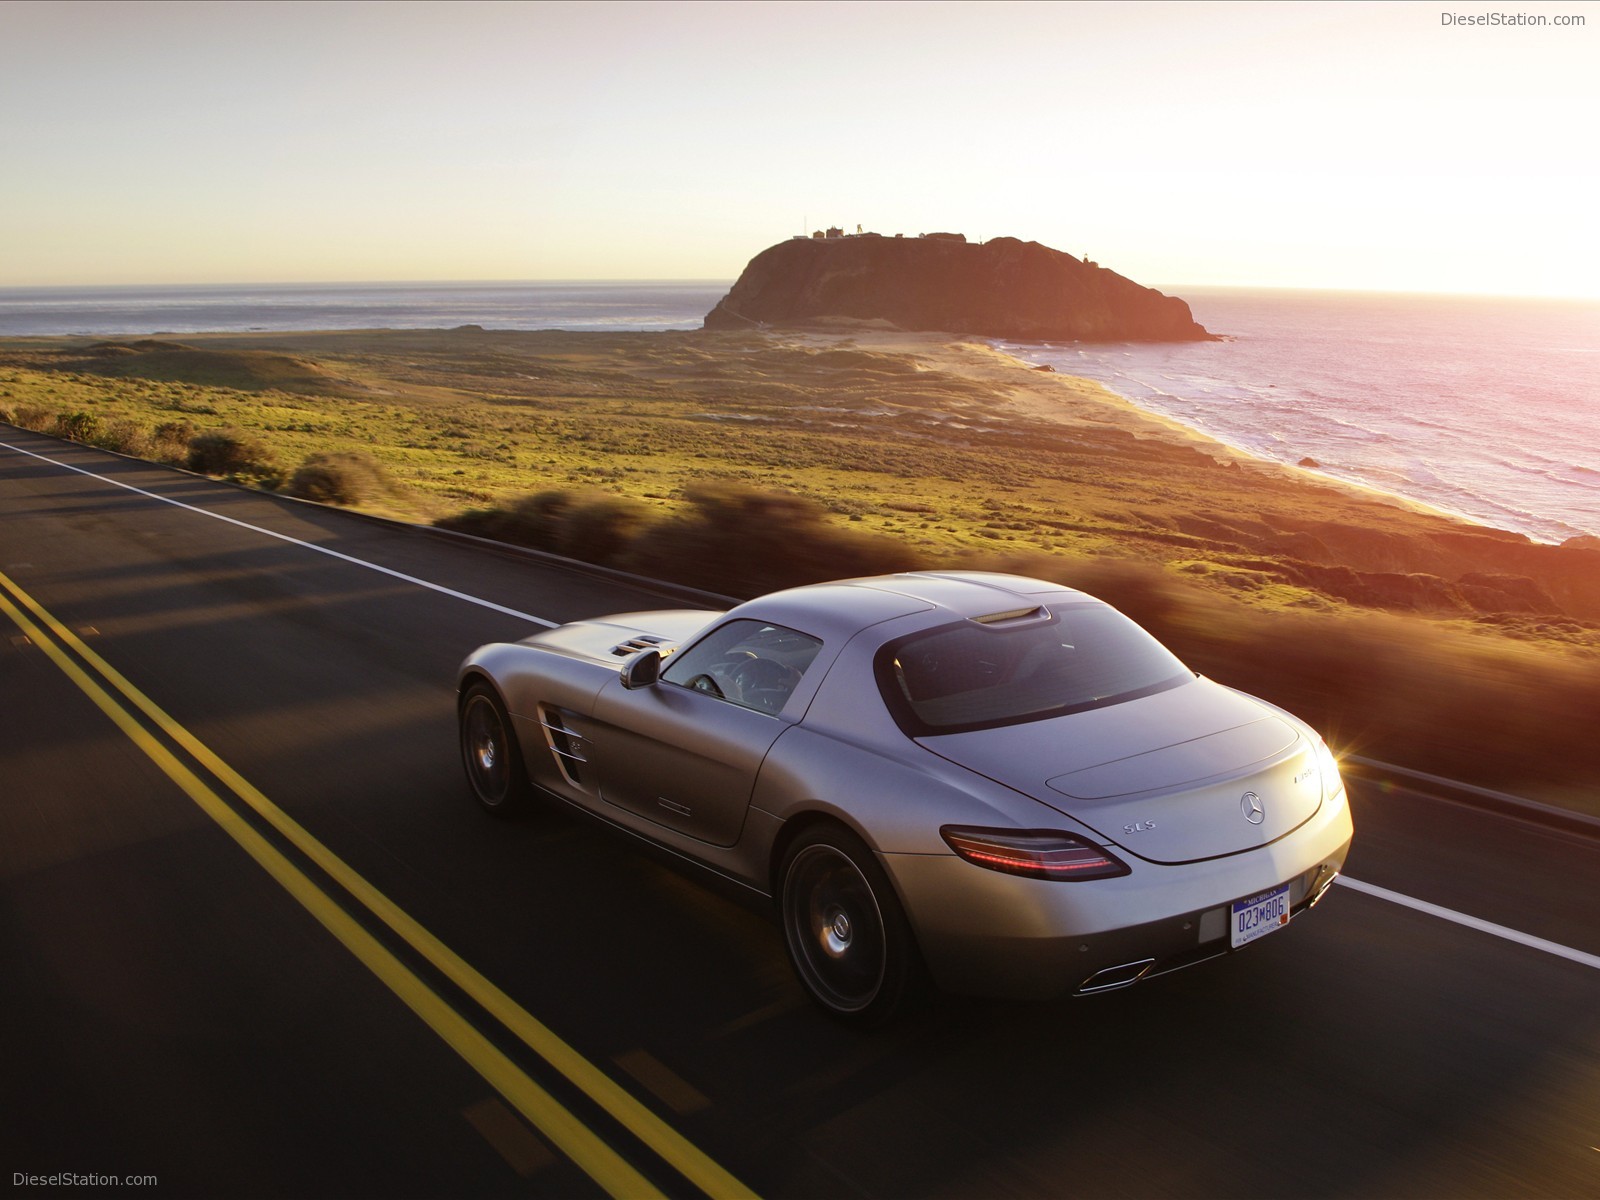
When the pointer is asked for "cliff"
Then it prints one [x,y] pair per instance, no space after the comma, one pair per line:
[1002,288]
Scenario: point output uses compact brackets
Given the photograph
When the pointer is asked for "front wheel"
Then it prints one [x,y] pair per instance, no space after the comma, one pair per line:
[490,755]
[845,931]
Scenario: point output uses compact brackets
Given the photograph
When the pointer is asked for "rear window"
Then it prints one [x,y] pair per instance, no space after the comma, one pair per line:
[1059,660]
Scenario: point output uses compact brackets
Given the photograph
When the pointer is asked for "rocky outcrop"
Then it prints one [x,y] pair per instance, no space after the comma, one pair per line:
[1002,288]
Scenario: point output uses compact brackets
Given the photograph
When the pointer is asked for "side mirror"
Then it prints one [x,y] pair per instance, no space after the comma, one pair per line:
[642,670]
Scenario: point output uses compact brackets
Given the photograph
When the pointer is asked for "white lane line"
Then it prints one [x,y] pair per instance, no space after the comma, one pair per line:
[283,537]
[1450,914]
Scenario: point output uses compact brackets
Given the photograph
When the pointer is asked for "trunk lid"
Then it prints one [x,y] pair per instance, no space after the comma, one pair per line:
[1195,772]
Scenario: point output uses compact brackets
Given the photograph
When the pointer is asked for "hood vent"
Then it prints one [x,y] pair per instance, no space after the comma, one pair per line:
[633,645]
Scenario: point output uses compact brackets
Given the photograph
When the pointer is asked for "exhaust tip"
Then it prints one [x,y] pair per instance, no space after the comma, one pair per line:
[1111,978]
[1320,885]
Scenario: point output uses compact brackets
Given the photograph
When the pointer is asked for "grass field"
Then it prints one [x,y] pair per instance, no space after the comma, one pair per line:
[739,462]
[471,419]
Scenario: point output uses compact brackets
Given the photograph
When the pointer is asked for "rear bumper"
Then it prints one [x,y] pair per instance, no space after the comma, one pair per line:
[1157,949]
[990,934]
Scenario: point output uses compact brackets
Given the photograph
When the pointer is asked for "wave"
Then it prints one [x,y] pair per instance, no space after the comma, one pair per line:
[1465,407]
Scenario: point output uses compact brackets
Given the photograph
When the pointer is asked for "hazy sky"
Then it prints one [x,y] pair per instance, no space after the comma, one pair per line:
[1342,145]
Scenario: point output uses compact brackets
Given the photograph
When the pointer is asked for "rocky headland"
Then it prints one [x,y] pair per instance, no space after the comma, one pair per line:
[1001,288]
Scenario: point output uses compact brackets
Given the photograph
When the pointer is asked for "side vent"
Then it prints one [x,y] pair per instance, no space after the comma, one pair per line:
[568,746]
[633,645]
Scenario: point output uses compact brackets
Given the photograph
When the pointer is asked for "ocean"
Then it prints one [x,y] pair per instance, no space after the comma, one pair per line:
[109,311]
[1489,408]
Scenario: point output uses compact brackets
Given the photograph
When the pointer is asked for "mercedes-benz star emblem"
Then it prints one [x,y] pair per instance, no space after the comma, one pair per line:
[1250,805]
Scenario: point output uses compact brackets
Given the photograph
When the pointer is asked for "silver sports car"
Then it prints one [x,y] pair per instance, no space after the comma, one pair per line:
[996,782]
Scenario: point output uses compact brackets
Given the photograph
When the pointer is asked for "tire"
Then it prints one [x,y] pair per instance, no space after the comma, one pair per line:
[844,928]
[490,754]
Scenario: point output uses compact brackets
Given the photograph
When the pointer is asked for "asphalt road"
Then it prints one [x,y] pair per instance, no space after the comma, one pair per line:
[178,1002]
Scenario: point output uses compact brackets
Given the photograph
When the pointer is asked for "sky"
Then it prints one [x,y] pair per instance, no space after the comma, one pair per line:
[1364,146]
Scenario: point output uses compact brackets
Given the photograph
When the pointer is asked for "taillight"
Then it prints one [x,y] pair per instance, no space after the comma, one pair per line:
[1034,853]
[1328,765]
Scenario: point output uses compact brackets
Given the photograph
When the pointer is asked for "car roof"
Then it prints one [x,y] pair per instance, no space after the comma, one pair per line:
[970,594]
[842,608]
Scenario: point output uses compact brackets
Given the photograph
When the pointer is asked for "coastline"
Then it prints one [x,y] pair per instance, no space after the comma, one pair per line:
[1261,462]
[1476,408]
[1058,397]
[1363,384]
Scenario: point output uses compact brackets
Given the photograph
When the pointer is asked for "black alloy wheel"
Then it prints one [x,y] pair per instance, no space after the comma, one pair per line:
[845,931]
[489,753]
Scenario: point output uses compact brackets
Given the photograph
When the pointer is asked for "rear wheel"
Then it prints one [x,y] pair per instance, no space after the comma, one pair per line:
[490,755]
[846,933]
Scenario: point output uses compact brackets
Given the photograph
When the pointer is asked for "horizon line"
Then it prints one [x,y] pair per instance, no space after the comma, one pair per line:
[596,281]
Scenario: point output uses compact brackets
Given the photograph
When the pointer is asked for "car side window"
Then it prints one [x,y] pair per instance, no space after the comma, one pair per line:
[749,663]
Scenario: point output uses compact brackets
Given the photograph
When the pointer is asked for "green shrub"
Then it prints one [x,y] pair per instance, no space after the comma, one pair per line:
[600,528]
[77,427]
[176,431]
[31,416]
[593,526]
[230,454]
[125,437]
[170,442]
[537,520]
[734,539]
[341,477]
[743,541]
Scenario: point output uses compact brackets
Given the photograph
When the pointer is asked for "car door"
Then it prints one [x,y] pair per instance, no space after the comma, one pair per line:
[684,752]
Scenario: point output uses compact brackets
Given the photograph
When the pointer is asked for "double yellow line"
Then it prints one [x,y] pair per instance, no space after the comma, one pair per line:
[564,1130]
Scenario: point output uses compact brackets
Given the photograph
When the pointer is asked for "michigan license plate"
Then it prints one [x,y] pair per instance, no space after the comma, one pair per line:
[1260,915]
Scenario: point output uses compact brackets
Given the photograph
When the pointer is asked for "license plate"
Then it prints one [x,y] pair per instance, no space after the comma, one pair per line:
[1260,915]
